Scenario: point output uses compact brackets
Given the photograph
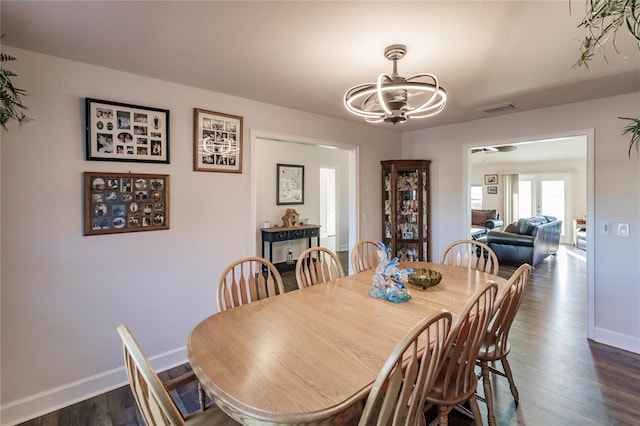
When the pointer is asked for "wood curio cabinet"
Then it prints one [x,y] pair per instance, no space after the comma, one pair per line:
[406,218]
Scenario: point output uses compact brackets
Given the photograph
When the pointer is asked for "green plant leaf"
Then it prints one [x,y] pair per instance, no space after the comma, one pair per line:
[11,107]
[603,19]
[634,129]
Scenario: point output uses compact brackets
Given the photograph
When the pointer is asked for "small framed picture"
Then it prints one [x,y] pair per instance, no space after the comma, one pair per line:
[217,142]
[492,189]
[124,132]
[290,184]
[125,202]
[490,179]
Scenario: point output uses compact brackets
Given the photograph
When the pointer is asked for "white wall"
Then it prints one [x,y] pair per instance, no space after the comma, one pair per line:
[312,157]
[63,294]
[616,195]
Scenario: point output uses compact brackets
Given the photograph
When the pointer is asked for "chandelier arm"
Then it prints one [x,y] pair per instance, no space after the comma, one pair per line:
[380,90]
[429,102]
[363,91]
[429,114]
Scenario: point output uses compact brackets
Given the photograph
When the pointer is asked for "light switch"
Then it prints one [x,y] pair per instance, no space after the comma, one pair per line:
[605,228]
[623,230]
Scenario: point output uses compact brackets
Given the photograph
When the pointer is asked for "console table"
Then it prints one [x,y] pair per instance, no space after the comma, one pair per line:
[281,233]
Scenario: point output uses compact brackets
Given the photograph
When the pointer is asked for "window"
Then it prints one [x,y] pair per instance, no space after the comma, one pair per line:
[476,196]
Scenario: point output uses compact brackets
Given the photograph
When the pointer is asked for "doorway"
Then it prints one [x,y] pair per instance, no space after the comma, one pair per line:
[570,153]
[328,209]
[270,149]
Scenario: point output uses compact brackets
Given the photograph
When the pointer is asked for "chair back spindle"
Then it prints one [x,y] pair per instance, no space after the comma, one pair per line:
[457,381]
[317,265]
[247,280]
[154,402]
[496,342]
[364,256]
[398,394]
[471,254]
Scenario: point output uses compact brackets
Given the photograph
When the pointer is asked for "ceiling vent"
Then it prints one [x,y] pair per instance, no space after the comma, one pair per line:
[505,107]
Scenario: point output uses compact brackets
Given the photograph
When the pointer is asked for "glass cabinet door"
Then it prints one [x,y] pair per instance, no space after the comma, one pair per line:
[405,209]
[407,214]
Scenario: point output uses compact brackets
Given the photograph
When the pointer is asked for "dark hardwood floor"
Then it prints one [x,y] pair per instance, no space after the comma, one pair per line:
[562,378]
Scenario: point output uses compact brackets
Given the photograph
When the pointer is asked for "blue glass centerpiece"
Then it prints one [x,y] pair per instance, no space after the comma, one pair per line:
[389,280]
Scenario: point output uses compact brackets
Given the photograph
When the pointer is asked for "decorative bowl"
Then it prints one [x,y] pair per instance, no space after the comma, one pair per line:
[425,278]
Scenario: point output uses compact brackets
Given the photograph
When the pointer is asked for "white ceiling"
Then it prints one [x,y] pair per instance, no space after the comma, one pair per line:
[540,151]
[305,55]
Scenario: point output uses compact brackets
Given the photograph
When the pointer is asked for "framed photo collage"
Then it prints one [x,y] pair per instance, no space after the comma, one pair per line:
[116,202]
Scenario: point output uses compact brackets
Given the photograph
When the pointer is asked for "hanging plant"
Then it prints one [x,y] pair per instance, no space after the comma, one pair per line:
[12,105]
[634,129]
[604,18]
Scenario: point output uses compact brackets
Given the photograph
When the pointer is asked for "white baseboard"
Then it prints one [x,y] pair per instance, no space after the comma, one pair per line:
[54,399]
[617,340]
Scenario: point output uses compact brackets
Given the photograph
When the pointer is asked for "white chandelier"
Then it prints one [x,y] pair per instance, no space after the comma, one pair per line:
[393,98]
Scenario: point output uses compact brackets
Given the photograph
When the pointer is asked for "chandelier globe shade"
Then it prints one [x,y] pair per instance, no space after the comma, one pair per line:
[395,99]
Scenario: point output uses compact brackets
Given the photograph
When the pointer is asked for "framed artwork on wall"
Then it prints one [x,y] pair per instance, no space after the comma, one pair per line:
[490,179]
[124,132]
[290,184]
[492,189]
[125,202]
[217,142]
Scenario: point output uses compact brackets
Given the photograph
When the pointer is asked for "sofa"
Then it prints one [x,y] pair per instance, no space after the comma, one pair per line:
[488,219]
[529,240]
[483,221]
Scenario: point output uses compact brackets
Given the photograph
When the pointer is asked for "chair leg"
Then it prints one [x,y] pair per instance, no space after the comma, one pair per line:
[443,415]
[201,396]
[475,410]
[488,394]
[512,383]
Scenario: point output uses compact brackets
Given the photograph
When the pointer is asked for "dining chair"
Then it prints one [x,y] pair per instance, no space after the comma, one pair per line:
[152,395]
[496,341]
[364,255]
[317,265]
[456,383]
[471,254]
[398,394]
[247,280]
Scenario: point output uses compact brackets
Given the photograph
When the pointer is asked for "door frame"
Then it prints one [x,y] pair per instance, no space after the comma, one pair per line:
[353,152]
[589,134]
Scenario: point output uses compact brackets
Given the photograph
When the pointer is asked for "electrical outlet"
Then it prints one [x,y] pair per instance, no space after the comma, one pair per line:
[623,230]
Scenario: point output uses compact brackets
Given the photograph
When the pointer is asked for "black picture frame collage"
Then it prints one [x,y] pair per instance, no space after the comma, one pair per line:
[125,132]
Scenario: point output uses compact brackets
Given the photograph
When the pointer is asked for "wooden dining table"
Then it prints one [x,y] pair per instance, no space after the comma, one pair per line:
[310,356]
